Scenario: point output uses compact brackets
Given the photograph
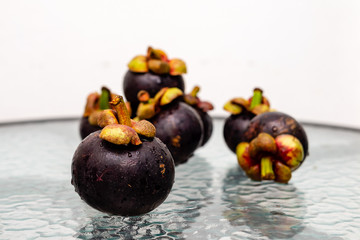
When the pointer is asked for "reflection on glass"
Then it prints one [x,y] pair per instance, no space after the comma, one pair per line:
[271,209]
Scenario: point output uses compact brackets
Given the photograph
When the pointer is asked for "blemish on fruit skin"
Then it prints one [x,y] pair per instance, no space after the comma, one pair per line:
[99,178]
[175,141]
[162,166]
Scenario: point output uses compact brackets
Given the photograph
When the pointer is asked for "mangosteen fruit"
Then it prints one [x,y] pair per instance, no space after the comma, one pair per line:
[177,124]
[242,111]
[202,108]
[274,146]
[152,73]
[123,169]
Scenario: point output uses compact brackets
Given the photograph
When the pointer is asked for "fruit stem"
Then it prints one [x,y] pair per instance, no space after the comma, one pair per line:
[195,91]
[256,99]
[104,98]
[267,172]
[120,107]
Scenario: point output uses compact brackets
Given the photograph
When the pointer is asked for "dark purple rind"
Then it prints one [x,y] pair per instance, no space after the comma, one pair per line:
[122,180]
[275,124]
[208,125]
[151,82]
[86,128]
[235,127]
[179,119]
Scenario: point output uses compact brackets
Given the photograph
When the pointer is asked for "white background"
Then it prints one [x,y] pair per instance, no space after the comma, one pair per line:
[305,55]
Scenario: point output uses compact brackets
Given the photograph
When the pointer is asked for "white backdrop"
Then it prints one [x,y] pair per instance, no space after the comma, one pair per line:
[305,55]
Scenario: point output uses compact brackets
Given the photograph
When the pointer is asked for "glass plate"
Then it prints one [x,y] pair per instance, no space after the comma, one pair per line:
[211,197]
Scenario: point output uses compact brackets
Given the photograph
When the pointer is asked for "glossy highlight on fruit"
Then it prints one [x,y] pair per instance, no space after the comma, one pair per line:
[123,169]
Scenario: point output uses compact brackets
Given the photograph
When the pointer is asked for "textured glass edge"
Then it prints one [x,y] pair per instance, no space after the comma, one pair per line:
[65,119]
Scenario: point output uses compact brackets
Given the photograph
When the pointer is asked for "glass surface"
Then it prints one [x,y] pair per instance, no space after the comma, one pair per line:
[211,198]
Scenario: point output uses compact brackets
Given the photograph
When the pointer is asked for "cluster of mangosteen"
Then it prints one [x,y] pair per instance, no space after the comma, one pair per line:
[125,164]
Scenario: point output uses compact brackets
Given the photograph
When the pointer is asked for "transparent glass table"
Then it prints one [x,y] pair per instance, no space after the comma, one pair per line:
[211,197]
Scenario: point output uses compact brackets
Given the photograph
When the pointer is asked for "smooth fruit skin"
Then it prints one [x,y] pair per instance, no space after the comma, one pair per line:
[208,125]
[275,124]
[86,128]
[122,180]
[150,82]
[180,127]
[235,127]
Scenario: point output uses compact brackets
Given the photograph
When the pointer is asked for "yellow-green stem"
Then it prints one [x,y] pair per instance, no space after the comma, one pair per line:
[195,91]
[267,172]
[256,99]
[104,99]
[120,107]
